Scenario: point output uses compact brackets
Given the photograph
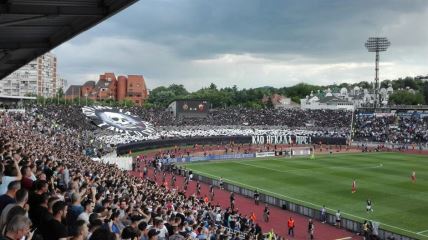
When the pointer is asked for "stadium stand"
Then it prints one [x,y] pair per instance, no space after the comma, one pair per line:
[56,174]
[392,128]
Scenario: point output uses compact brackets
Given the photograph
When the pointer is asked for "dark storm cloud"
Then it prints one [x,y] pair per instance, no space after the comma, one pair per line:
[278,32]
[204,28]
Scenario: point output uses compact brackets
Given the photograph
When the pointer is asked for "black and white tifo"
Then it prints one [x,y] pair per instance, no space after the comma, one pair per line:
[118,120]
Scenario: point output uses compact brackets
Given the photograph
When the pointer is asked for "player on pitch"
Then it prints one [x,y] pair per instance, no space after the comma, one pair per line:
[413,177]
[354,186]
[369,207]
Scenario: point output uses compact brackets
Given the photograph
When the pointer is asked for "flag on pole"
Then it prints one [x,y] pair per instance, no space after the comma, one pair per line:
[253,217]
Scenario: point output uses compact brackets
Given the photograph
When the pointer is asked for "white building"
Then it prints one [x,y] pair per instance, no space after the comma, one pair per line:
[38,77]
[344,98]
[327,102]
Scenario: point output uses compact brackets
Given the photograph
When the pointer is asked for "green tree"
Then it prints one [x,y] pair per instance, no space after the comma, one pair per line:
[60,92]
[404,97]
[425,91]
[178,90]
[269,103]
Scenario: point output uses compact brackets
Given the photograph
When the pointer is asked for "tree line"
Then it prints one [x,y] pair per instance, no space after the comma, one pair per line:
[160,97]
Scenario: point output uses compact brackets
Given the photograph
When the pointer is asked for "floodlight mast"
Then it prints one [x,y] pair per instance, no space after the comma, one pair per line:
[377,44]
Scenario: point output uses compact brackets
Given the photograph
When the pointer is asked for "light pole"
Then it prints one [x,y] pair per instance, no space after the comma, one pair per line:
[377,44]
[44,93]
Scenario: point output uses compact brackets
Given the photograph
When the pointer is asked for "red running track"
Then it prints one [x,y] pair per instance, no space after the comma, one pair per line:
[278,216]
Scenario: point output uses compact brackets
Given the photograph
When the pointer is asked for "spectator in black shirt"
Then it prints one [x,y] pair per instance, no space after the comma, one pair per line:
[57,230]
[35,198]
[10,195]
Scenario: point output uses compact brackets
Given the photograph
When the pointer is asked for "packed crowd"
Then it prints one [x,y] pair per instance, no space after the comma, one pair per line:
[220,122]
[232,116]
[50,190]
[209,131]
[236,121]
[391,129]
[239,116]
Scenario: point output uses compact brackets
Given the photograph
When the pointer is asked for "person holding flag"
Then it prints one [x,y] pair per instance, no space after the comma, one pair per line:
[253,217]
[354,186]
[413,177]
[271,235]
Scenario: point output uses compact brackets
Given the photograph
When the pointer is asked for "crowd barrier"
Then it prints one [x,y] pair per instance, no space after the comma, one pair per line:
[170,142]
[408,146]
[211,157]
[265,154]
[310,212]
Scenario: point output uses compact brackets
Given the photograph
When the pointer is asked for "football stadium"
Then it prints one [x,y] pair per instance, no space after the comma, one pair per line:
[127,157]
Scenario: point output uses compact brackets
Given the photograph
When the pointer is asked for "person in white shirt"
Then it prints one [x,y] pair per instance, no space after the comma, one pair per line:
[11,173]
[88,207]
[338,218]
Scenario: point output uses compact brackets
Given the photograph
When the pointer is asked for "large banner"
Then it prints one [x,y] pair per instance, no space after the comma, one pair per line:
[220,140]
[280,139]
[117,120]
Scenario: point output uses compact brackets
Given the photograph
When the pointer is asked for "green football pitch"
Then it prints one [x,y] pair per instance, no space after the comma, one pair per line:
[399,205]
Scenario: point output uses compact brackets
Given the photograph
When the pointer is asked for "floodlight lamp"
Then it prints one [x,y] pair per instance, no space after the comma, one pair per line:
[377,44]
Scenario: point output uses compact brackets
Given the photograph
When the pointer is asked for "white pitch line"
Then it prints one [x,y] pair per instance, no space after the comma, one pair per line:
[345,238]
[303,201]
[303,169]
[422,232]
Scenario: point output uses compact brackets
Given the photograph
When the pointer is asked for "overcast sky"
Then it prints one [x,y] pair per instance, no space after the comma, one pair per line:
[251,43]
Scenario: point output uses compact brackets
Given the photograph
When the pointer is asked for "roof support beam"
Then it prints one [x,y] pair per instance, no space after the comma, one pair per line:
[72,3]
[24,45]
[22,20]
[52,10]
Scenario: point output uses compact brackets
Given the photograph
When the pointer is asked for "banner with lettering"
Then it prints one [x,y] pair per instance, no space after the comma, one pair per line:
[280,139]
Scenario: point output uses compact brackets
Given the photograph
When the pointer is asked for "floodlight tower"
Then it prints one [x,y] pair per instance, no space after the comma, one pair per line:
[377,44]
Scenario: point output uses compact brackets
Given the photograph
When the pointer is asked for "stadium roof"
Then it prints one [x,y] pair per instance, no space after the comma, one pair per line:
[30,28]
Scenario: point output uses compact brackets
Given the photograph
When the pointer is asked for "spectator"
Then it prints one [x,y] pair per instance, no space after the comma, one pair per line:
[142,226]
[27,181]
[56,229]
[153,234]
[81,232]
[102,234]
[9,197]
[18,228]
[75,210]
[130,233]
[88,207]
[21,201]
[11,174]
